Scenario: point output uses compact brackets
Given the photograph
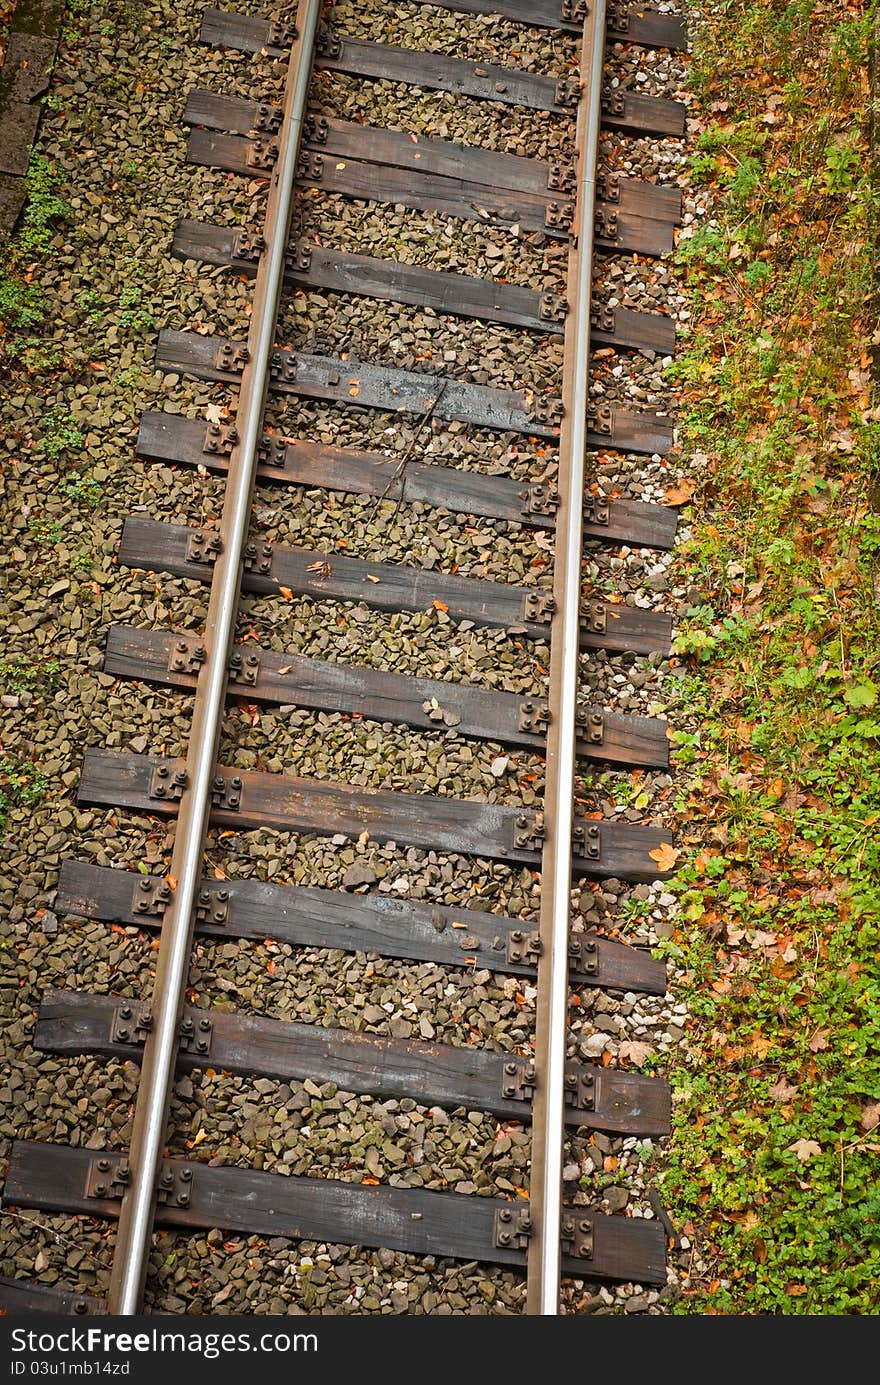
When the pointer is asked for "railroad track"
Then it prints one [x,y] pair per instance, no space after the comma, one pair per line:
[292,150]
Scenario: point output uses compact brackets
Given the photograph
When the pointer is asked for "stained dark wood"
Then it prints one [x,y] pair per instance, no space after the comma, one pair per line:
[367,386]
[650,29]
[173,438]
[646,115]
[456,294]
[287,803]
[635,230]
[408,1219]
[388,587]
[358,691]
[449,195]
[309,917]
[433,1074]
[25,1298]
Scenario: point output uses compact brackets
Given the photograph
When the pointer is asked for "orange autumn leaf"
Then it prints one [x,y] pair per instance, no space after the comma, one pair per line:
[440,606]
[286,593]
[665,856]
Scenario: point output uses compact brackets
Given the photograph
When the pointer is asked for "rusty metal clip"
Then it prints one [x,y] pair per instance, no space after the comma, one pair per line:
[519,1080]
[212,906]
[539,499]
[301,259]
[591,726]
[583,954]
[576,1236]
[282,367]
[548,409]
[553,307]
[605,223]
[282,34]
[601,317]
[186,657]
[528,832]
[608,187]
[258,557]
[538,607]
[595,617]
[249,243]
[219,440]
[524,948]
[262,153]
[203,546]
[132,1021]
[151,895]
[166,785]
[600,419]
[586,841]
[317,129]
[580,1090]
[174,1187]
[597,512]
[561,177]
[557,216]
[575,11]
[613,102]
[232,356]
[267,120]
[327,43]
[310,168]
[534,715]
[244,668]
[567,93]
[617,19]
[108,1176]
[272,451]
[195,1033]
[226,793]
[513,1227]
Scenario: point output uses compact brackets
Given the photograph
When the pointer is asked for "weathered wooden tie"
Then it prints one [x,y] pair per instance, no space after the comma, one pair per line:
[319,466]
[616,228]
[363,385]
[339,271]
[261,675]
[156,546]
[414,1220]
[433,1074]
[648,28]
[306,916]
[249,799]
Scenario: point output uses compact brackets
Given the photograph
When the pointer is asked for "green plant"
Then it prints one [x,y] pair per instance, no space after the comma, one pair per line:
[60,435]
[84,489]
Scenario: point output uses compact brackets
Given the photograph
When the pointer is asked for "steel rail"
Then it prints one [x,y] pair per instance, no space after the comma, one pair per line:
[132,1244]
[544,1252]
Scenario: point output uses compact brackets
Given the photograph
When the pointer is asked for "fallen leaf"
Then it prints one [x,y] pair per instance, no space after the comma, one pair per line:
[371,578]
[819,1041]
[439,606]
[287,668]
[870,1117]
[635,1050]
[286,593]
[665,856]
[782,1090]
[681,492]
[804,1149]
